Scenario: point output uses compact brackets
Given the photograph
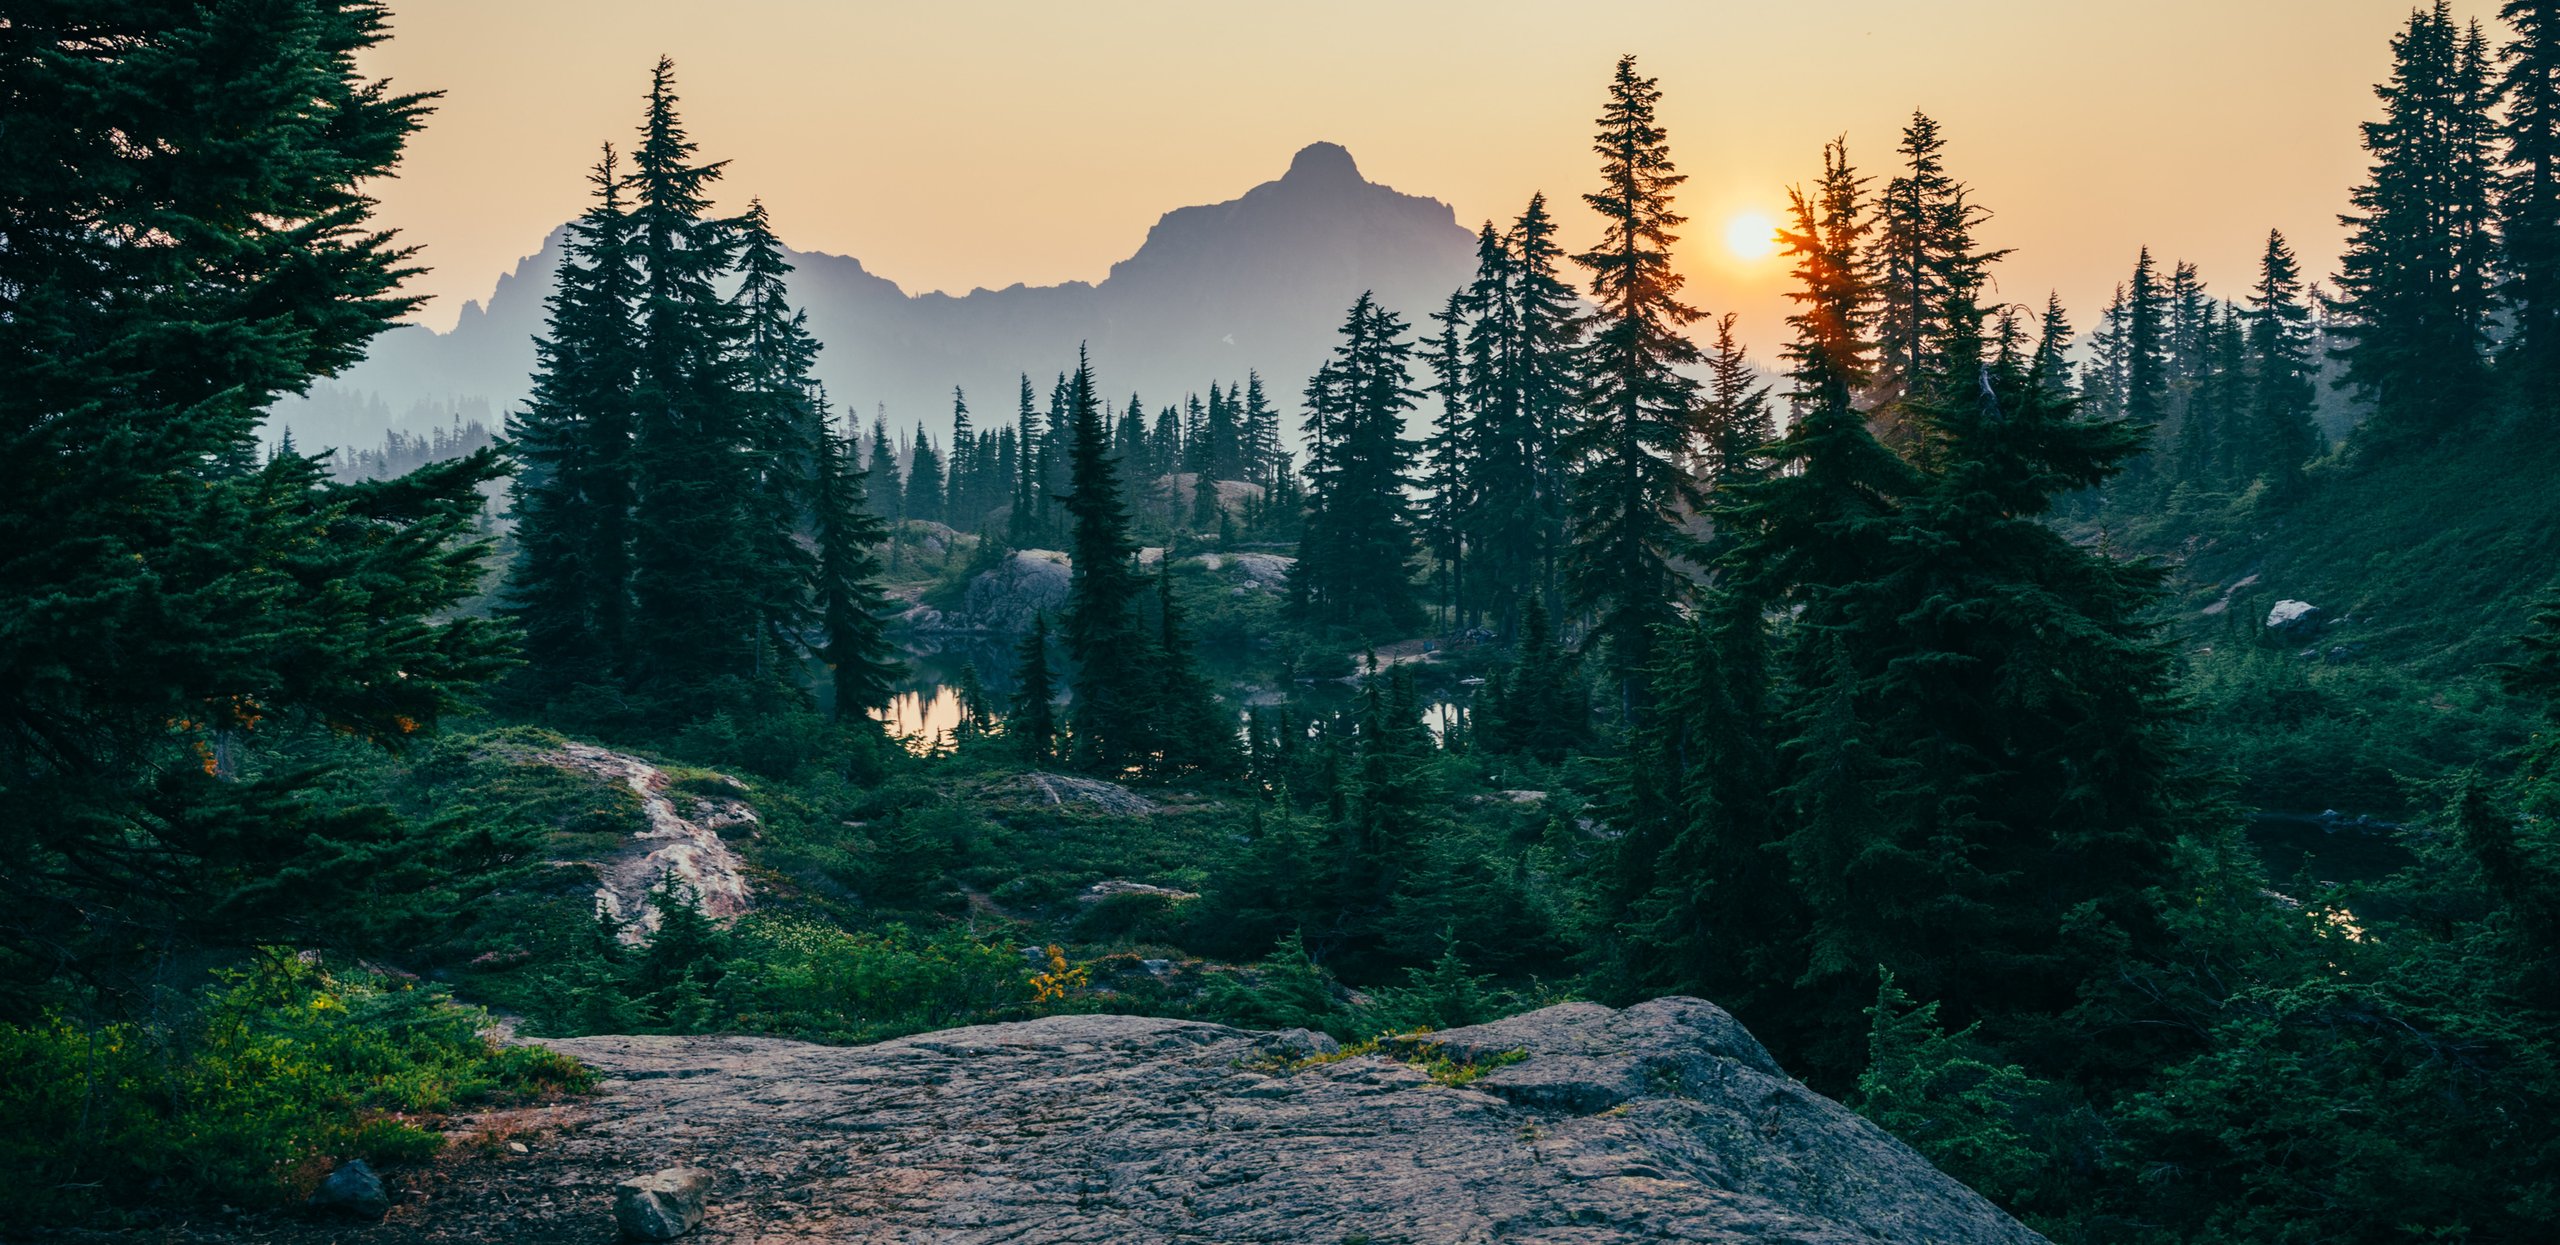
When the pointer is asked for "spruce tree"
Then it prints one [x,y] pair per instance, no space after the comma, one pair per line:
[1033,724]
[1193,735]
[1021,526]
[2279,435]
[2140,360]
[925,482]
[882,482]
[1978,769]
[693,542]
[2049,368]
[2102,375]
[1544,376]
[852,612]
[2415,283]
[959,499]
[1355,560]
[1628,491]
[1104,637]
[1261,431]
[780,426]
[188,238]
[1734,422]
[1506,517]
[1923,258]
[1445,459]
[2529,195]
[570,588]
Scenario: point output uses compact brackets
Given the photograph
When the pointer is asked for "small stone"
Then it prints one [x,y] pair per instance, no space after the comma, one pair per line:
[354,1191]
[662,1205]
[519,1147]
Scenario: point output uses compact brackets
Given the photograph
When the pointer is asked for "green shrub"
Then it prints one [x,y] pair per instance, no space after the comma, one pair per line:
[800,977]
[278,1072]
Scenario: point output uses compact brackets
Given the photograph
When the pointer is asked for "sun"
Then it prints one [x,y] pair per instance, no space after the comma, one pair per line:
[1751,235]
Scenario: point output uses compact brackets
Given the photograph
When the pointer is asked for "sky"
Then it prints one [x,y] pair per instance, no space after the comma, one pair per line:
[959,144]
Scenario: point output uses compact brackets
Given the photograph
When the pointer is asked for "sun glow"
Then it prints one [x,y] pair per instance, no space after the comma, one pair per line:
[1751,235]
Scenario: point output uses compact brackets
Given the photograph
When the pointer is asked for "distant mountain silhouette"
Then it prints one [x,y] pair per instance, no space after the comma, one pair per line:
[1260,281]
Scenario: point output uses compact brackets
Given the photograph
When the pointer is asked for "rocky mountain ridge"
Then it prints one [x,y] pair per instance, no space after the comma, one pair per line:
[1258,282]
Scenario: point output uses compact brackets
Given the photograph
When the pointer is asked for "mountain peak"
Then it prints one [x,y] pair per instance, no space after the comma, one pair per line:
[1322,162]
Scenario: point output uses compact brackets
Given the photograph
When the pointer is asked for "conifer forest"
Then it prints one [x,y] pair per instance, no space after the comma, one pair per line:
[2113,749]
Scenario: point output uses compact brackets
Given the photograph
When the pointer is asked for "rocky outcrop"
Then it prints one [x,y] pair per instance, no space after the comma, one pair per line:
[2294,619]
[1004,599]
[1660,1122]
[1664,1121]
[1053,790]
[682,838]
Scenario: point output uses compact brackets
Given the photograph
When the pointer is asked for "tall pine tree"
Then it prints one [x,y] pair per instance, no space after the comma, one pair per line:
[1105,639]
[2415,283]
[693,541]
[1355,561]
[188,238]
[852,612]
[570,588]
[2278,436]
[1628,490]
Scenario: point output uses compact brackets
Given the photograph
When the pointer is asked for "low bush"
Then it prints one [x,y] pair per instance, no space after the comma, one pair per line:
[266,1080]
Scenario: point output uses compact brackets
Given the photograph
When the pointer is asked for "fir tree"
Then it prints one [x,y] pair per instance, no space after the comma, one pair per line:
[1923,259]
[2049,369]
[780,427]
[1446,462]
[2140,363]
[2415,283]
[882,482]
[851,610]
[1952,677]
[1261,432]
[1505,520]
[170,619]
[570,588]
[1033,725]
[2529,195]
[1103,634]
[960,501]
[1734,423]
[1192,733]
[693,541]
[1539,705]
[1628,489]
[1021,527]
[1544,376]
[924,480]
[2279,436]
[1355,560]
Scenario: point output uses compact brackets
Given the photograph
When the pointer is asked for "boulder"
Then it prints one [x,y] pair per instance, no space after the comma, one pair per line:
[1006,598]
[2293,618]
[354,1192]
[662,1205]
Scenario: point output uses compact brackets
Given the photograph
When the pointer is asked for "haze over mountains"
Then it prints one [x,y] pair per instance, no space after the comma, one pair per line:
[1260,281]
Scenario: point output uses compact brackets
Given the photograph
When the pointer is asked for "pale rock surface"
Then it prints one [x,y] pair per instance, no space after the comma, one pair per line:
[1006,598]
[1660,1122]
[683,842]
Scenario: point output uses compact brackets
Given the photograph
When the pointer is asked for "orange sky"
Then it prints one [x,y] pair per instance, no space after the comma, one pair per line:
[957,144]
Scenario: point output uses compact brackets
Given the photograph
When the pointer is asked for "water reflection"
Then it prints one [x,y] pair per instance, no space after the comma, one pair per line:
[927,702]
[922,713]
